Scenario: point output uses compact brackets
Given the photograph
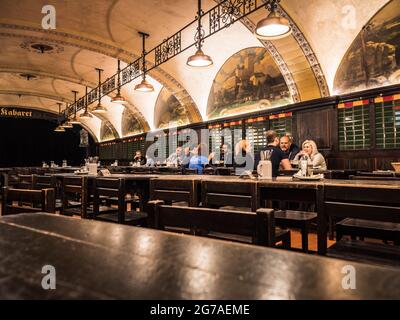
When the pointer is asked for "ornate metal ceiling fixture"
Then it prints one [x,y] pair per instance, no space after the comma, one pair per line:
[59,128]
[74,119]
[274,26]
[67,124]
[118,98]
[199,59]
[222,16]
[99,109]
[86,114]
[144,85]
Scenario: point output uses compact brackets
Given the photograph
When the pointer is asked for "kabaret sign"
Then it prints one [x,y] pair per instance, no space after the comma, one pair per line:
[15,113]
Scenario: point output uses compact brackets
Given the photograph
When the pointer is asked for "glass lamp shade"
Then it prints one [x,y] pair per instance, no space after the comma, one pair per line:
[99,109]
[59,129]
[199,59]
[74,120]
[67,125]
[86,115]
[273,27]
[144,86]
[118,99]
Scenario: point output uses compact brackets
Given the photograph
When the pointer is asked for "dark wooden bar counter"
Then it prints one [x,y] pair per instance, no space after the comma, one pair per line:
[101,260]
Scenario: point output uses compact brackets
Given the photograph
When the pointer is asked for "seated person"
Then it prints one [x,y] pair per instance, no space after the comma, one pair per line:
[139,158]
[274,153]
[226,155]
[150,162]
[187,155]
[289,149]
[175,158]
[198,161]
[244,158]
[309,149]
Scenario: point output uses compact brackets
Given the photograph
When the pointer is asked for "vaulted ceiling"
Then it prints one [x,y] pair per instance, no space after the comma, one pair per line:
[94,34]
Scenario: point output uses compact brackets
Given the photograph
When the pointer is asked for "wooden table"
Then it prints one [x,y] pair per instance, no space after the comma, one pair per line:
[102,260]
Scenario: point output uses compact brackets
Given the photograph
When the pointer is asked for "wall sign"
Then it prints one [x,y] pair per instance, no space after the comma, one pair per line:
[15,113]
[21,113]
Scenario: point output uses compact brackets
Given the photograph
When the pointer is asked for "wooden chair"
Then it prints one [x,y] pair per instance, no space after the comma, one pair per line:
[31,200]
[115,188]
[74,196]
[171,190]
[368,213]
[258,227]
[24,181]
[238,196]
[45,182]
[287,218]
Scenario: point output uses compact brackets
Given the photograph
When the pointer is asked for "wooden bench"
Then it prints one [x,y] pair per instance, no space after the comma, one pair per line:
[258,227]
[24,200]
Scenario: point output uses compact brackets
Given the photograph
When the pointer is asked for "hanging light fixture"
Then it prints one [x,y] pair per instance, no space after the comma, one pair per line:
[144,85]
[67,124]
[59,128]
[119,98]
[74,119]
[86,114]
[199,59]
[99,109]
[274,26]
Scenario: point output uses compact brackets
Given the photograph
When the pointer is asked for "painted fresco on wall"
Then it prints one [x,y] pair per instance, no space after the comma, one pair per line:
[106,131]
[248,81]
[373,59]
[130,125]
[168,111]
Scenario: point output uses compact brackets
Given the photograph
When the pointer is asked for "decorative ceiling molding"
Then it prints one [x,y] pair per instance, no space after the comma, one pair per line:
[35,94]
[113,51]
[308,53]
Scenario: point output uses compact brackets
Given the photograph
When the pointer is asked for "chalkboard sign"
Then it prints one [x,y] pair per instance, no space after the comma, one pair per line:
[353,125]
[387,122]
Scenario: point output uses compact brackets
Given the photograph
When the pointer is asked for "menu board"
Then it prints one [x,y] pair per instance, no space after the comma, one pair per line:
[353,125]
[281,123]
[255,132]
[387,122]
[215,139]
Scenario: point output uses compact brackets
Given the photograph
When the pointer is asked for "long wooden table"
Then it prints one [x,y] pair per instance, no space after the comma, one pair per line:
[283,188]
[101,260]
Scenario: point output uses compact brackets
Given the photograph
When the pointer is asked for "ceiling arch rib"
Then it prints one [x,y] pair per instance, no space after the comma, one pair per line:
[106,48]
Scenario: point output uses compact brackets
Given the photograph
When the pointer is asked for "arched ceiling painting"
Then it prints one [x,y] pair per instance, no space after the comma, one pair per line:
[373,60]
[107,131]
[169,112]
[129,124]
[248,81]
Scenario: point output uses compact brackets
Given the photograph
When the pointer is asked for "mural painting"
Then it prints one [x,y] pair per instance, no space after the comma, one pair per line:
[130,125]
[169,112]
[106,131]
[373,59]
[248,81]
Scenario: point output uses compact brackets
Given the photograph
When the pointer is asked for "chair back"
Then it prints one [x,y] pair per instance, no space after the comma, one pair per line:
[24,181]
[175,190]
[259,225]
[75,188]
[42,182]
[216,194]
[24,200]
[108,187]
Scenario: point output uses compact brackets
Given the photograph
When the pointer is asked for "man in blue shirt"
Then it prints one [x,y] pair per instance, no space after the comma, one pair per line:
[274,153]
[198,161]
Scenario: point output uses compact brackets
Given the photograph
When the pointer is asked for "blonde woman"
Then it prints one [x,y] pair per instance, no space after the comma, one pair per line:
[309,148]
